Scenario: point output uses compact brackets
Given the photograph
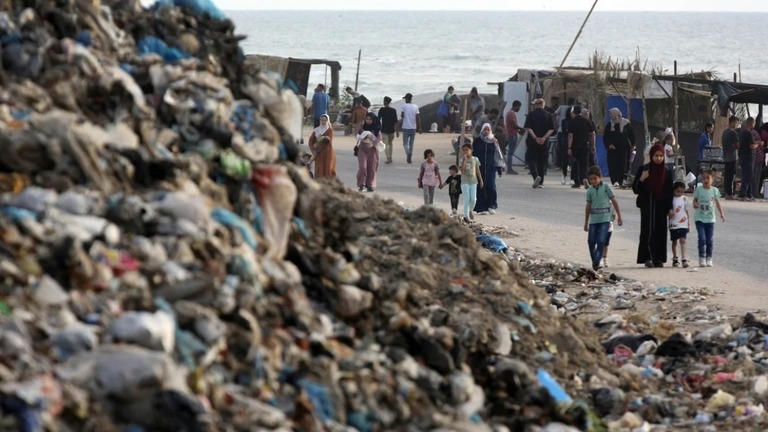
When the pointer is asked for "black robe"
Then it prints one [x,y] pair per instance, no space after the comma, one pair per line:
[622,140]
[653,219]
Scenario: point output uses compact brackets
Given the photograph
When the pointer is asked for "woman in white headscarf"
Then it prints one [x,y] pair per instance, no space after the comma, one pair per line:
[321,146]
[486,148]
[619,140]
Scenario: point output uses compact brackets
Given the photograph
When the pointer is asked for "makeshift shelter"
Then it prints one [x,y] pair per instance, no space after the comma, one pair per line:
[295,70]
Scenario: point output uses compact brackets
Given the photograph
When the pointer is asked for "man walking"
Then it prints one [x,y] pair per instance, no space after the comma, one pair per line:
[581,135]
[411,123]
[730,146]
[539,126]
[747,148]
[388,117]
[321,103]
[513,130]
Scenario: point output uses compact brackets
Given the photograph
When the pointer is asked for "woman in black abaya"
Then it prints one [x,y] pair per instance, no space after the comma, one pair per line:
[653,187]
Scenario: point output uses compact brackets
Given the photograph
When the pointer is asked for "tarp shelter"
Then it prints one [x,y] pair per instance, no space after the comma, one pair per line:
[296,70]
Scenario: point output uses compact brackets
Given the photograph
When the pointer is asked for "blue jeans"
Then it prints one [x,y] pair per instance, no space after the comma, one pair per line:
[469,192]
[511,147]
[597,238]
[706,232]
[409,136]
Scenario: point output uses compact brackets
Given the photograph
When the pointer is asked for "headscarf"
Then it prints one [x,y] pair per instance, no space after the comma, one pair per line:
[320,130]
[621,121]
[490,138]
[658,173]
[375,126]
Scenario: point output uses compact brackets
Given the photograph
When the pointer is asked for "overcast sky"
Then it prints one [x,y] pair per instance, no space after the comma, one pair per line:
[579,5]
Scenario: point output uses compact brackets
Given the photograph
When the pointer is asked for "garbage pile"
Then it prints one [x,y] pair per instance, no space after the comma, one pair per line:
[165,265]
[701,369]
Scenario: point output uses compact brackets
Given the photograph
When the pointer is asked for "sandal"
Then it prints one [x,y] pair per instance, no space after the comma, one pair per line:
[685,263]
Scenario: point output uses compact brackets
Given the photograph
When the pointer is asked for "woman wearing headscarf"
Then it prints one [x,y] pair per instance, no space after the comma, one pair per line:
[486,148]
[321,146]
[653,187]
[619,139]
[368,137]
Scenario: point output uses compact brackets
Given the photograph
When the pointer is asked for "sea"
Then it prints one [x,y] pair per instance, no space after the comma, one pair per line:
[426,51]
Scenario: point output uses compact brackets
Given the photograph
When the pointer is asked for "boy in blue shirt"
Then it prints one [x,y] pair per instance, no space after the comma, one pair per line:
[597,215]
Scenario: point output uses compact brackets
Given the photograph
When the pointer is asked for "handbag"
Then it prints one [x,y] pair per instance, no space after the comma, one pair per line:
[498,158]
[356,149]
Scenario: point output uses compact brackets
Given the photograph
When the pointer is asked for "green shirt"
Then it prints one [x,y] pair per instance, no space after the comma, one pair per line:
[469,176]
[706,198]
[599,199]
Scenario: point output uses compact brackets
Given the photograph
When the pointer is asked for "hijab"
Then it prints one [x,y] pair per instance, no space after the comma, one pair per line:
[658,173]
[375,126]
[621,121]
[320,130]
[490,138]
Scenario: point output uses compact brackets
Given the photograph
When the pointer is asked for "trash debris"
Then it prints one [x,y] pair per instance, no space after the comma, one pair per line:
[166,265]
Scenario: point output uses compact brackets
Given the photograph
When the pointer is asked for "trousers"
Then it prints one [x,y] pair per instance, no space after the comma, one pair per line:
[409,136]
[706,232]
[469,191]
[596,240]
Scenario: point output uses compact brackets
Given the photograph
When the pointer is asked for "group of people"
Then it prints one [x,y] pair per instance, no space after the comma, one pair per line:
[374,133]
[745,145]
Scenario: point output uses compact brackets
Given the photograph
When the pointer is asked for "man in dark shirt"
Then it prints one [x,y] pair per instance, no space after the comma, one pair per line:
[580,138]
[539,126]
[388,117]
[747,148]
[730,145]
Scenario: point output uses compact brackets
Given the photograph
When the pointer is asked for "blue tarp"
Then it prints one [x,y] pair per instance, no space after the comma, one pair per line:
[153,45]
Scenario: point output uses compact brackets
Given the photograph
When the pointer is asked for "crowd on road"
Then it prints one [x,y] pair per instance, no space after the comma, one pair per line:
[663,206]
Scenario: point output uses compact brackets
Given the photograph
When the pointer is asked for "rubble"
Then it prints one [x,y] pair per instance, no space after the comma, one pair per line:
[166,265]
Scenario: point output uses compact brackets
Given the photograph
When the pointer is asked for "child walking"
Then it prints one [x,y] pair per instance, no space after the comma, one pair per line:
[454,188]
[679,224]
[597,215]
[429,176]
[705,199]
[470,179]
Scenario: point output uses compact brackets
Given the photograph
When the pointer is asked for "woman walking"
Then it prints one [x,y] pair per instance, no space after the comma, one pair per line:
[321,146]
[653,187]
[619,139]
[368,138]
[486,149]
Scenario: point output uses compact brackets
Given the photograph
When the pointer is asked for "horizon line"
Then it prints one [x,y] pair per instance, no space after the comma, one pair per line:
[488,10]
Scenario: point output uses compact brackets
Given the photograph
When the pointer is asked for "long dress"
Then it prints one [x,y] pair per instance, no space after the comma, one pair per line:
[622,139]
[368,163]
[486,196]
[653,219]
[325,156]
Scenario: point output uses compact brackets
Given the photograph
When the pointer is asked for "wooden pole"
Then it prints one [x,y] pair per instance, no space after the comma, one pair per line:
[357,74]
[578,34]
[675,92]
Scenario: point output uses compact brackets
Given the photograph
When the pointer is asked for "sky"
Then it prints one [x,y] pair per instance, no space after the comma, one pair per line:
[534,5]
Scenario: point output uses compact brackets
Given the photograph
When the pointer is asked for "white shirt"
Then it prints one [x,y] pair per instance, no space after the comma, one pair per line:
[679,219]
[668,159]
[409,118]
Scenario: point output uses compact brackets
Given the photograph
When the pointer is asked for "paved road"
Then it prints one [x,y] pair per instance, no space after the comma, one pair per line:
[553,218]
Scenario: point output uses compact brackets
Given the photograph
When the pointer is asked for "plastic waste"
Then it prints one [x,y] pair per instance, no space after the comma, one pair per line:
[553,388]
[720,400]
[151,330]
